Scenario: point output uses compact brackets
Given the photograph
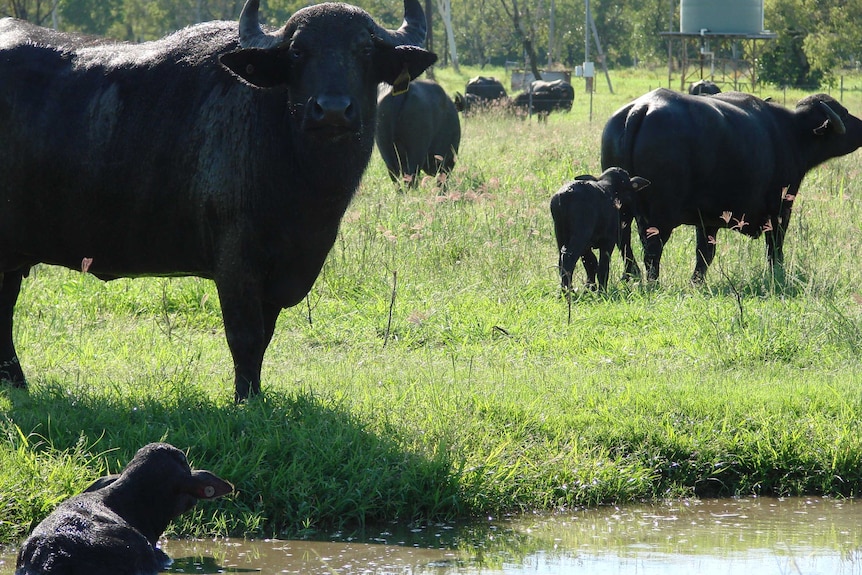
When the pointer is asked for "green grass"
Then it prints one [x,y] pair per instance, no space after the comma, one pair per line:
[491,393]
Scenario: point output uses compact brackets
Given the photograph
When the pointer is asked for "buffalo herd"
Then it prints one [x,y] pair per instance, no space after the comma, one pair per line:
[231,152]
[484,94]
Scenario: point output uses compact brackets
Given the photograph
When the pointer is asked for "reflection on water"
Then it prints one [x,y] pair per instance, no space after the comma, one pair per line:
[765,536]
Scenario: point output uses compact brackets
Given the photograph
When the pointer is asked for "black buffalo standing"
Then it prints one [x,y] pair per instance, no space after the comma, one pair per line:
[155,160]
[545,97]
[113,526]
[730,160]
[482,93]
[587,214]
[417,129]
[704,88]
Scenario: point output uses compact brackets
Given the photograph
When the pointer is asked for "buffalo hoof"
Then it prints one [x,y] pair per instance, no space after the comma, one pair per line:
[11,373]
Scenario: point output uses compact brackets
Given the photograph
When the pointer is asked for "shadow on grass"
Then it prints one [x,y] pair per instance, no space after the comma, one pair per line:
[300,463]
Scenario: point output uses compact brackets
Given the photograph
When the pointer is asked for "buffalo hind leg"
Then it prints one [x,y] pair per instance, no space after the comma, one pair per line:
[591,266]
[10,368]
[653,247]
[706,239]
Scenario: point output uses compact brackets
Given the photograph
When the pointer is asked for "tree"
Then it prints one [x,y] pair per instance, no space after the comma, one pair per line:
[784,61]
[445,9]
[835,39]
[526,39]
[36,11]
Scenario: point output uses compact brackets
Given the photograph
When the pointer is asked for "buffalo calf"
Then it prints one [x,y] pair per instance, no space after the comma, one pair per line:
[113,526]
[586,216]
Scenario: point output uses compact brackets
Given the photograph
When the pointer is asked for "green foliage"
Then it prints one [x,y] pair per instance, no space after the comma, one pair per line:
[785,61]
[815,39]
[36,478]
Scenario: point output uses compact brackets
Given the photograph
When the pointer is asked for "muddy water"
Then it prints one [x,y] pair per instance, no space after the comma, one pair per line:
[761,536]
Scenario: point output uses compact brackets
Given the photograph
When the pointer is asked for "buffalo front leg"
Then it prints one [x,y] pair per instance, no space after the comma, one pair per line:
[10,368]
[604,267]
[776,229]
[249,323]
[625,246]
[706,241]
[775,241]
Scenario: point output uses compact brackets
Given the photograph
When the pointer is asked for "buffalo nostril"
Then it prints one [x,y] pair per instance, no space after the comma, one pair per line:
[333,110]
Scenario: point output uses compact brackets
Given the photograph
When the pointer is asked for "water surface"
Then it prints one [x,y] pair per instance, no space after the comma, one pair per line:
[765,536]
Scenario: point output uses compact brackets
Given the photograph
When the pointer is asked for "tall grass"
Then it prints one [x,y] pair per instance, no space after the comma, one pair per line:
[435,371]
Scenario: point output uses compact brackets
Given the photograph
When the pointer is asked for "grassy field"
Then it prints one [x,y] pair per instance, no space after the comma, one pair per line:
[436,372]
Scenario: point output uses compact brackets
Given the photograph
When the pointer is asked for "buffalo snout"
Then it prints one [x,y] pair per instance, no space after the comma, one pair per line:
[331,111]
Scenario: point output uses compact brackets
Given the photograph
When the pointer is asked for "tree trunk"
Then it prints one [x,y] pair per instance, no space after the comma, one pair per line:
[445,8]
[515,15]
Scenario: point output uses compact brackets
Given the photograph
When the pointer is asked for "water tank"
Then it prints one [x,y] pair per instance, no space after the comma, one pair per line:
[721,16]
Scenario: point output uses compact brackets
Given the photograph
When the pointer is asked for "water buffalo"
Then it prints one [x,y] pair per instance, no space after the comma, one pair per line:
[486,87]
[113,526]
[704,88]
[587,214]
[482,93]
[417,129]
[223,151]
[744,175]
[544,97]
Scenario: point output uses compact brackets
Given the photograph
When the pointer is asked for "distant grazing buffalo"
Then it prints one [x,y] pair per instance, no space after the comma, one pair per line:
[113,526]
[704,88]
[223,151]
[417,129]
[730,160]
[587,214]
[488,88]
[482,93]
[545,97]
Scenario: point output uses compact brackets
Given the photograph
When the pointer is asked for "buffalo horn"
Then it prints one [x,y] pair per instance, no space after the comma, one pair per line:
[413,29]
[837,123]
[251,35]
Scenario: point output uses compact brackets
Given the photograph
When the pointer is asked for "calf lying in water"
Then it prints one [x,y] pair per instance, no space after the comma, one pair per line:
[113,526]
[586,216]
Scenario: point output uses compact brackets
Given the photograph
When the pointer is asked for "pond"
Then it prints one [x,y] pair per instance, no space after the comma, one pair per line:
[804,536]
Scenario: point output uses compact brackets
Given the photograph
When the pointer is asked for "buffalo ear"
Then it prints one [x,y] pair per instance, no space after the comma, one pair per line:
[639,183]
[206,485]
[258,67]
[101,482]
[400,64]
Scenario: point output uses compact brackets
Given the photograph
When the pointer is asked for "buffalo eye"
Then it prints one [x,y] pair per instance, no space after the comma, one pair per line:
[296,54]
